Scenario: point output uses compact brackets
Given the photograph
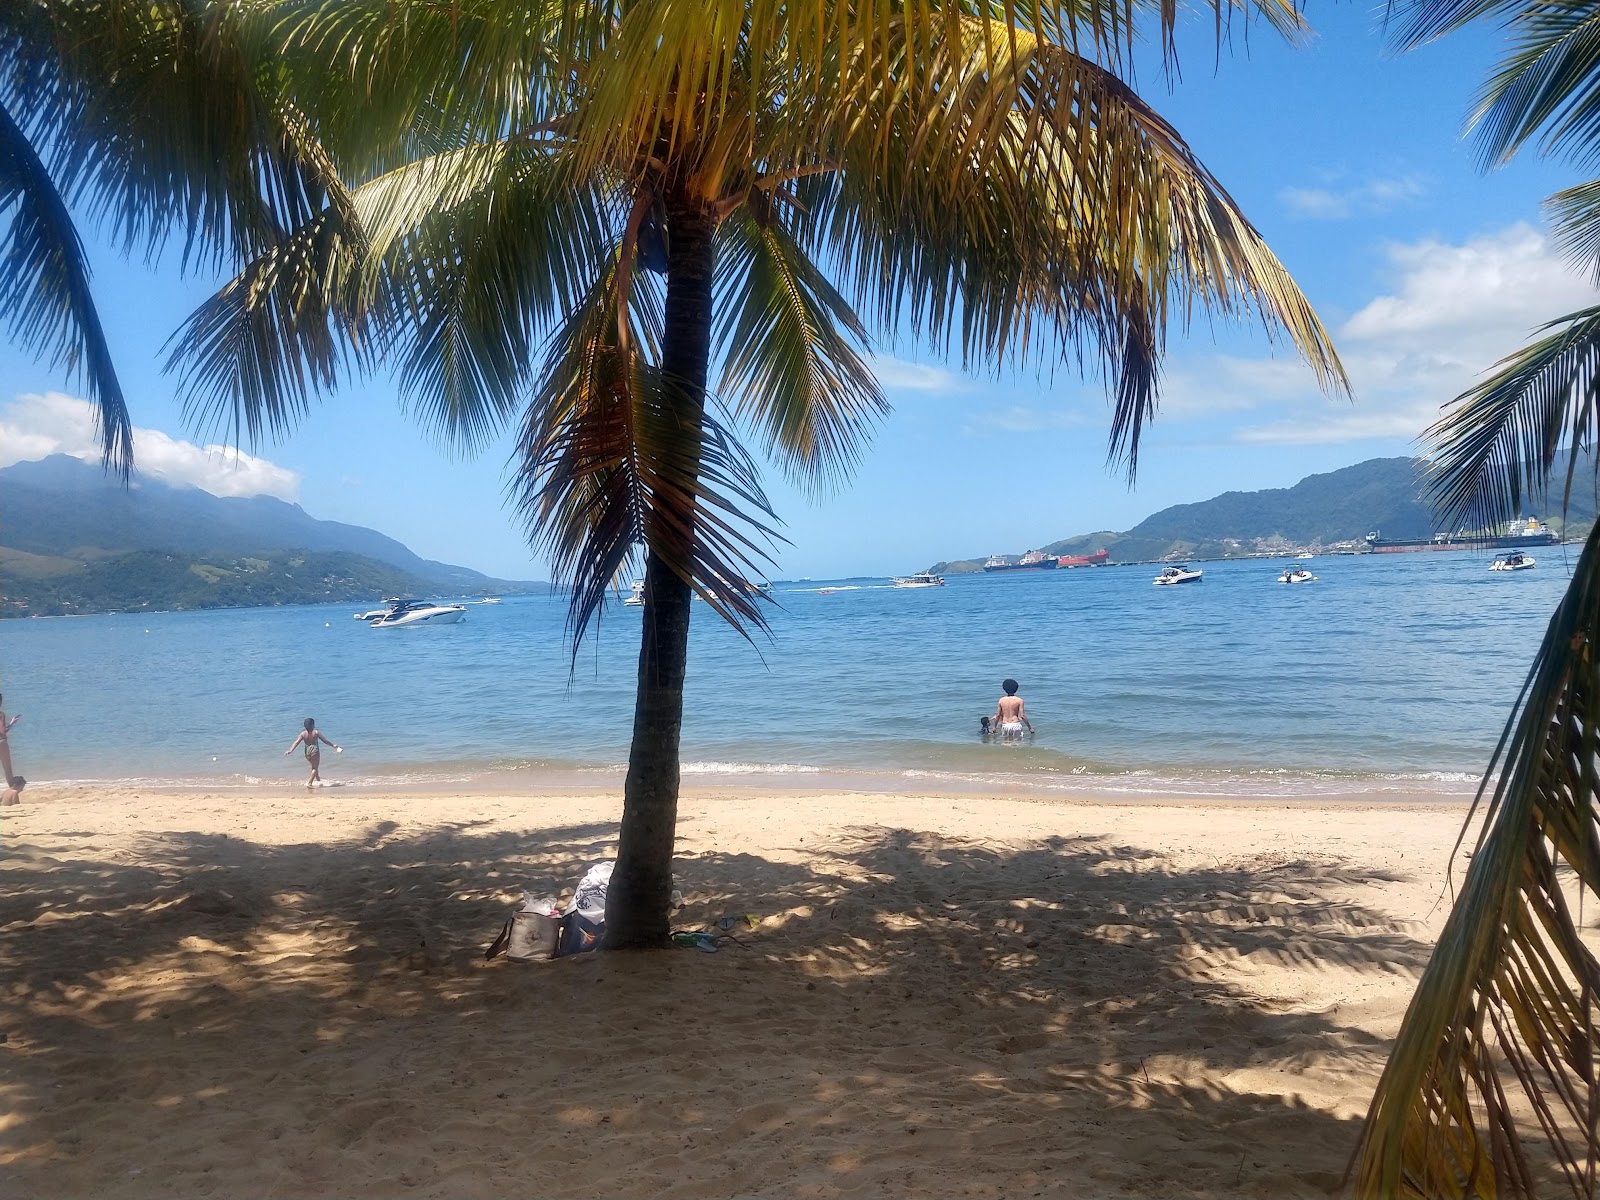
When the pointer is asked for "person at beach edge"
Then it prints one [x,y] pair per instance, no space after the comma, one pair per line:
[309,737]
[1010,717]
[5,745]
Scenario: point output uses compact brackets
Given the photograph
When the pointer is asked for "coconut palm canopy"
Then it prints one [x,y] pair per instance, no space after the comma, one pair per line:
[148,118]
[1491,1089]
[650,232]
[516,172]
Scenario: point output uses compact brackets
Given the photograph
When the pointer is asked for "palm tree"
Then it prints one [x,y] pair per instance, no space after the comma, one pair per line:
[150,115]
[655,228]
[1501,1032]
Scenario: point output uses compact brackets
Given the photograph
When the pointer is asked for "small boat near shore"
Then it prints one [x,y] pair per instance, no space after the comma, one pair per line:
[1513,562]
[921,579]
[405,613]
[1178,574]
[635,596]
[1297,575]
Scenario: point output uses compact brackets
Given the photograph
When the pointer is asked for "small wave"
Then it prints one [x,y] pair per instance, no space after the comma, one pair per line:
[746,768]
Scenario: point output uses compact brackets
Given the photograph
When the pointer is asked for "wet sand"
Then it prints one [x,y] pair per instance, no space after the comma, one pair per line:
[276,994]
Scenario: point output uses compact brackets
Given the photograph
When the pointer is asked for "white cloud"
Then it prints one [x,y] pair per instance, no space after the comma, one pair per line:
[33,427]
[1451,313]
[1365,197]
[900,375]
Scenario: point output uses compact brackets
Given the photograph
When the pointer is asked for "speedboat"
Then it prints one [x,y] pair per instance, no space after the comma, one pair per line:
[635,596]
[1177,574]
[1297,575]
[490,600]
[921,579]
[1307,554]
[375,613]
[1516,561]
[419,612]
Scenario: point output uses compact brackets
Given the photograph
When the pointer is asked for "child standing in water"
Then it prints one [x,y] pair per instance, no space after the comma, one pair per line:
[309,737]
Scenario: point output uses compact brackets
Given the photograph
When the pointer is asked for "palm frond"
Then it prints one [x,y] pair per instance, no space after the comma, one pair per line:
[167,117]
[486,249]
[792,353]
[1550,81]
[1041,205]
[251,358]
[1574,215]
[607,468]
[1502,1028]
[1501,444]
[44,288]
[663,86]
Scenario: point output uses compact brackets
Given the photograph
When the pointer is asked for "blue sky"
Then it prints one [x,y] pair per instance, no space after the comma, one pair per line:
[1350,161]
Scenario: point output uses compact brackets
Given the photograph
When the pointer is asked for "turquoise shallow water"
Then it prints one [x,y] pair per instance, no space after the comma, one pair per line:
[1392,673]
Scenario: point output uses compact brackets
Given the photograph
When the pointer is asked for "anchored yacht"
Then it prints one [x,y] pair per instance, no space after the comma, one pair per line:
[419,612]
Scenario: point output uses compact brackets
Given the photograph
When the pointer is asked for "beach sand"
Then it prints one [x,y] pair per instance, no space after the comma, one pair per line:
[276,994]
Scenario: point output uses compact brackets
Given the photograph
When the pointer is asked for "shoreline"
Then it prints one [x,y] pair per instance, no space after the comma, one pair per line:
[1132,786]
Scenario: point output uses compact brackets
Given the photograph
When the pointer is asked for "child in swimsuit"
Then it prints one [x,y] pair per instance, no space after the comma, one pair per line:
[309,737]
[1010,718]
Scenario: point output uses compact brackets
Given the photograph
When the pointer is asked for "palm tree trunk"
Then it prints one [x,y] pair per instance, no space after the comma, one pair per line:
[641,884]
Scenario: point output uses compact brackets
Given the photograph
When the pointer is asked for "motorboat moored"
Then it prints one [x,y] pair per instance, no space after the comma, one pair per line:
[635,596]
[1516,561]
[1178,574]
[1297,575]
[922,579]
[419,612]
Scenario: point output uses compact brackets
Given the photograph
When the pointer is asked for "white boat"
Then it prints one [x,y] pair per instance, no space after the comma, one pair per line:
[920,580]
[1307,554]
[419,612]
[1297,575]
[490,600]
[1515,561]
[374,613]
[1177,574]
[635,596]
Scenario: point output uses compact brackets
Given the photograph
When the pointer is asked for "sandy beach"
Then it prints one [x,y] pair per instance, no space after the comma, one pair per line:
[276,994]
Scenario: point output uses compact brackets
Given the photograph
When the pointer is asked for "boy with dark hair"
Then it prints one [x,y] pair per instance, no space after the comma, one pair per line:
[13,794]
[1010,718]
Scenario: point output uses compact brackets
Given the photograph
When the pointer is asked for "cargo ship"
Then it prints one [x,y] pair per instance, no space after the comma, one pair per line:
[1519,535]
[1033,560]
[1098,559]
[1038,560]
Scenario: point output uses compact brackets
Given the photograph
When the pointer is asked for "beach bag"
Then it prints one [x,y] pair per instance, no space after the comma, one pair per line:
[531,933]
[581,931]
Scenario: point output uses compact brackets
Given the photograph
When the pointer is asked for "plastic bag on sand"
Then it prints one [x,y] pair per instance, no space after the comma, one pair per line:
[591,892]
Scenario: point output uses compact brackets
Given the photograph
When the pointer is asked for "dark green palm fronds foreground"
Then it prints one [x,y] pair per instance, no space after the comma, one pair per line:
[1500,1037]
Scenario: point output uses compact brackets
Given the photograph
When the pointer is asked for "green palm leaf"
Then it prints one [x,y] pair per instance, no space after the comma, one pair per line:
[1501,443]
[44,287]
[791,351]
[1509,999]
[283,330]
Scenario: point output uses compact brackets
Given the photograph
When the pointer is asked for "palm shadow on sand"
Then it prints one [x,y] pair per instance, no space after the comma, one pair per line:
[914,1015]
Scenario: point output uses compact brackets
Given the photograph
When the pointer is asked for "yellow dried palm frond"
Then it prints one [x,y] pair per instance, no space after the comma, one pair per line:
[1500,1038]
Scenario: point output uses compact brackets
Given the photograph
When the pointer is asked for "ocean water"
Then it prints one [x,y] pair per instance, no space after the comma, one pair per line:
[1391,674]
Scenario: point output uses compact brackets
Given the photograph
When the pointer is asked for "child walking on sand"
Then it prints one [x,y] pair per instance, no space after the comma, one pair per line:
[309,737]
[5,743]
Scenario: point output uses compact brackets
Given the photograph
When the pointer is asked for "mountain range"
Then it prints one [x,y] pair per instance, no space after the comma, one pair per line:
[1387,495]
[73,539]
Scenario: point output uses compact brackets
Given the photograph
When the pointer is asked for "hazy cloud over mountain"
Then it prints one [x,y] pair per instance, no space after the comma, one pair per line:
[36,426]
